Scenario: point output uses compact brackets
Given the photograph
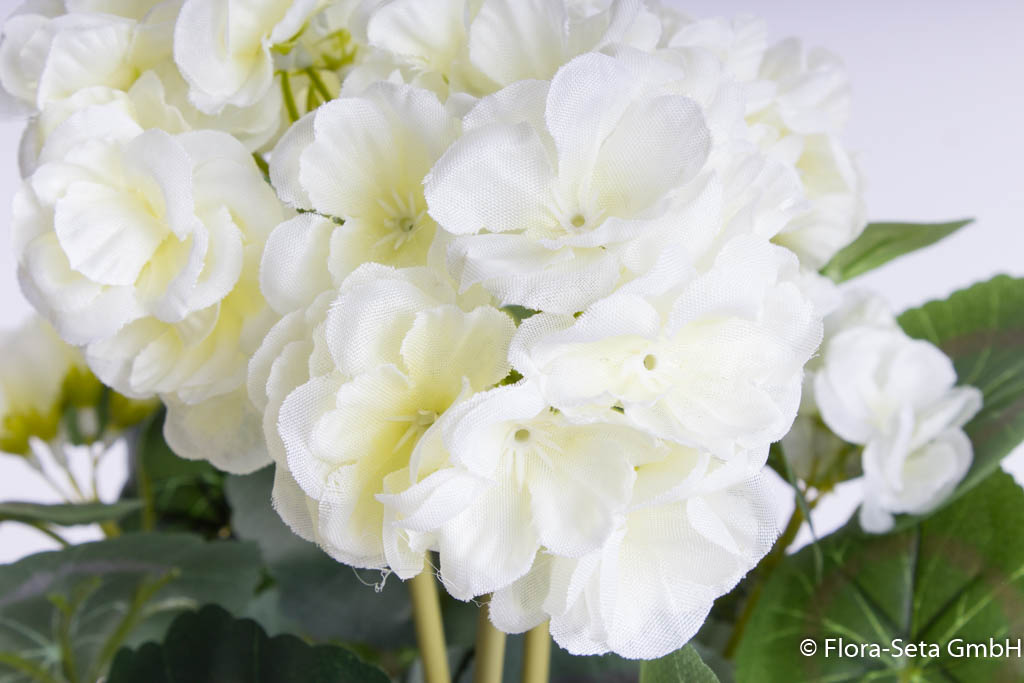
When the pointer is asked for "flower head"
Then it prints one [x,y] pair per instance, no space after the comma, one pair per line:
[387,359]
[143,247]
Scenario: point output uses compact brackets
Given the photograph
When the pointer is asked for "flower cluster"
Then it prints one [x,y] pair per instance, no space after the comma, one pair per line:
[876,387]
[527,284]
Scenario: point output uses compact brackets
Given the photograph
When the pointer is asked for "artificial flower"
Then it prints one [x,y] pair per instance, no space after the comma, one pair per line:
[143,248]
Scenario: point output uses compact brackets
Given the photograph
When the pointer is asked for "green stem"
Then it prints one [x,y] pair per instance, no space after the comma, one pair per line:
[143,594]
[319,84]
[110,528]
[41,527]
[261,163]
[289,97]
[490,649]
[764,570]
[26,667]
[67,610]
[537,655]
[426,612]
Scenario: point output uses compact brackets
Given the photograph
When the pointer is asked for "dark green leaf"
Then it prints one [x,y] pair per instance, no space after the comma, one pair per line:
[981,329]
[211,646]
[682,666]
[313,589]
[69,610]
[179,494]
[882,242]
[67,514]
[958,574]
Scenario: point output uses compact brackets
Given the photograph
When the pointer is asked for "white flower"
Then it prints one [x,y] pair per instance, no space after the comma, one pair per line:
[547,183]
[523,477]
[903,481]
[361,161]
[896,396]
[224,48]
[356,386]
[797,105]
[695,526]
[738,43]
[47,55]
[480,46]
[144,248]
[716,366]
[799,117]
[158,98]
[34,367]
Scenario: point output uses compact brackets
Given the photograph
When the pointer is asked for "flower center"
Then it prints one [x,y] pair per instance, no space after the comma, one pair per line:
[522,435]
[650,361]
[402,218]
[418,423]
[578,221]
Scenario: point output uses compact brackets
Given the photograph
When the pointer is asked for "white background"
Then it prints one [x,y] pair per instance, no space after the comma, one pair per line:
[937,125]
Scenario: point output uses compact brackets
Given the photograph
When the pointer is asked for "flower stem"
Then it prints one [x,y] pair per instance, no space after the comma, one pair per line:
[43,528]
[764,570]
[537,655]
[426,610]
[490,648]
[289,98]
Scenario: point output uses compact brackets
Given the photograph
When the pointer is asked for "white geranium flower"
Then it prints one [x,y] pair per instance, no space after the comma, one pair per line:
[356,386]
[695,526]
[480,46]
[718,365]
[904,481]
[523,477]
[881,382]
[803,108]
[224,49]
[360,161]
[157,99]
[738,43]
[797,105]
[895,395]
[548,182]
[144,248]
[47,55]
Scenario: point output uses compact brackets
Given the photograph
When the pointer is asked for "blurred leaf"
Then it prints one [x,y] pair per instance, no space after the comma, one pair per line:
[883,242]
[179,494]
[958,574]
[981,329]
[682,666]
[67,611]
[211,646]
[67,514]
[327,599]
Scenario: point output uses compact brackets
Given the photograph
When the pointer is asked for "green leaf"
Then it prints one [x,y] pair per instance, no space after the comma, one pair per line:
[67,514]
[178,494]
[519,313]
[211,646]
[682,666]
[882,242]
[958,574]
[981,329]
[68,611]
[314,589]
